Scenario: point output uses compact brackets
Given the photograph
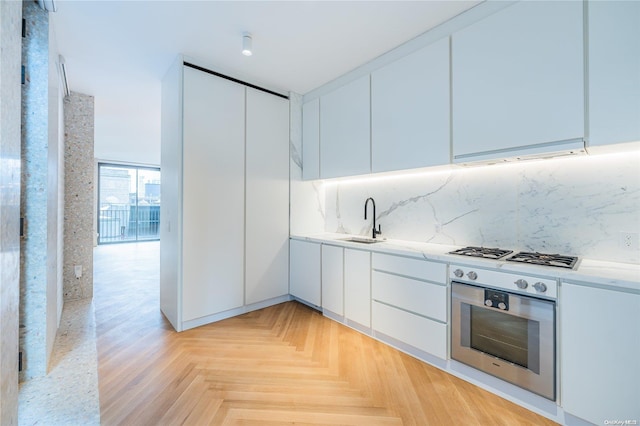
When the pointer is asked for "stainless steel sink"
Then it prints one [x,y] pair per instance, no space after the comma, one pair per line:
[361,240]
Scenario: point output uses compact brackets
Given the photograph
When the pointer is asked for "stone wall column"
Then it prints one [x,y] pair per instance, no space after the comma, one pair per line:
[34,192]
[79,204]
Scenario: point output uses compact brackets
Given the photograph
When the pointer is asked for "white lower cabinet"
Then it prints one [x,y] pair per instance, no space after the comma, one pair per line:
[409,302]
[415,330]
[357,286]
[426,299]
[403,299]
[410,267]
[599,349]
[333,279]
[305,271]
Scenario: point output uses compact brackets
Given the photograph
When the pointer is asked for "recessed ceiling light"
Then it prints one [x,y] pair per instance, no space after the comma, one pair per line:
[247,44]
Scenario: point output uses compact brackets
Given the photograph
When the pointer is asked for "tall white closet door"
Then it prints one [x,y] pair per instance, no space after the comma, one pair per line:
[267,197]
[212,195]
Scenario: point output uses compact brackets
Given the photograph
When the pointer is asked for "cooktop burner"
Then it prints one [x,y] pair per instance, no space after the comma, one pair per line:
[486,252]
[544,259]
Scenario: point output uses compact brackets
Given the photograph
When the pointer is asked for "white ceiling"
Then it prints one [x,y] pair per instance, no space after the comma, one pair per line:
[118,51]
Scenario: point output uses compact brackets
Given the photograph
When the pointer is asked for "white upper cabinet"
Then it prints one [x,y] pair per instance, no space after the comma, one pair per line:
[410,111]
[311,140]
[614,72]
[518,81]
[345,131]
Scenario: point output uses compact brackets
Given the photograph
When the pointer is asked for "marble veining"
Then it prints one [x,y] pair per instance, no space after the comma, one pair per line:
[581,205]
[402,203]
[341,228]
[443,207]
[319,195]
[575,206]
[307,198]
[295,155]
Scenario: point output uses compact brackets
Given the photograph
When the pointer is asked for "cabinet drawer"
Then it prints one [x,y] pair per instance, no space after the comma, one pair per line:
[421,333]
[416,268]
[416,296]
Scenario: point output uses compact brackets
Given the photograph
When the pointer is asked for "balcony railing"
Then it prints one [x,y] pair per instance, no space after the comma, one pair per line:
[128,223]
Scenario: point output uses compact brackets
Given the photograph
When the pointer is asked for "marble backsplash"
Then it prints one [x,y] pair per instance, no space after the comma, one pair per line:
[307,198]
[575,206]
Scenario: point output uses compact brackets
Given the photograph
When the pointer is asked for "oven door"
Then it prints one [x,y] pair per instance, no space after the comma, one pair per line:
[513,339]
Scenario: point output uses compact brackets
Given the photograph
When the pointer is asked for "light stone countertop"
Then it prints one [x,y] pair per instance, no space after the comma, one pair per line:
[617,276]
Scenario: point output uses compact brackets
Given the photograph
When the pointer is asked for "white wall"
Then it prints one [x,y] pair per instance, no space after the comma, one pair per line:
[306,197]
[170,213]
[129,142]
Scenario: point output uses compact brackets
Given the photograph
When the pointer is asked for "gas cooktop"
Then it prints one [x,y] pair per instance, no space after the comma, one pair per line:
[486,252]
[533,258]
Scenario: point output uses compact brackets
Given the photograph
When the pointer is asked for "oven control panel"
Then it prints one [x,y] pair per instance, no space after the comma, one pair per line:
[496,299]
[519,283]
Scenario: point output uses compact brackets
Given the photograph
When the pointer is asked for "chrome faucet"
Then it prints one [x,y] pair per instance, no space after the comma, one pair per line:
[374,231]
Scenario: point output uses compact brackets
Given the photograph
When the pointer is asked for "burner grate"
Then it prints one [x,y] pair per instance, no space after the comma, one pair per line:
[544,259]
[485,252]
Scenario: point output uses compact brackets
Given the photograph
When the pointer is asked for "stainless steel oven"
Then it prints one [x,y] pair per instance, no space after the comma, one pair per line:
[504,325]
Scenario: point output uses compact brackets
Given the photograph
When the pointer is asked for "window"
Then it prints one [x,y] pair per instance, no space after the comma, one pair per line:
[128,203]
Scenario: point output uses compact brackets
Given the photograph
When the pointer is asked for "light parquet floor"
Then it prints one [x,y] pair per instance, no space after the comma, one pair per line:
[286,364]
